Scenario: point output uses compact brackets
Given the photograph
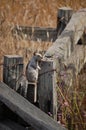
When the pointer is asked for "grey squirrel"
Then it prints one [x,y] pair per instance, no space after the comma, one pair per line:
[33,68]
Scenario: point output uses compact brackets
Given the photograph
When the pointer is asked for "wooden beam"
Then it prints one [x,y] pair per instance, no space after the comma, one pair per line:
[64,45]
[35,33]
[47,93]
[12,70]
[78,58]
[73,65]
[28,112]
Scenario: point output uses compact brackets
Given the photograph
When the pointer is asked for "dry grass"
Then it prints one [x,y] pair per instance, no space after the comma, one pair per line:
[34,13]
[31,13]
[72,100]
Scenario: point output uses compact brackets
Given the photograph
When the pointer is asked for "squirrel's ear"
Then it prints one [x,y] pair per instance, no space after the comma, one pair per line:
[35,52]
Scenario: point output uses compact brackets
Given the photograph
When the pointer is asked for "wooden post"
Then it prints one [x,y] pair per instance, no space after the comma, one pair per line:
[13,68]
[32,92]
[47,94]
[63,17]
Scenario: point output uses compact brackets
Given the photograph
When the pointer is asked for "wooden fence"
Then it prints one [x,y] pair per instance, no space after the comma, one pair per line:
[61,49]
[45,34]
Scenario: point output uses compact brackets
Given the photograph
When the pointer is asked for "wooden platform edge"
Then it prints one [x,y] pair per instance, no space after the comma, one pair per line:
[27,111]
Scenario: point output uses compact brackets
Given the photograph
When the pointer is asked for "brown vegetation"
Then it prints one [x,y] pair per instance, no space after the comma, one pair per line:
[30,13]
[33,13]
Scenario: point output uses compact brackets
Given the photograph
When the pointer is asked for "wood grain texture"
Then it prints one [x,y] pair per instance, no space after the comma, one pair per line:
[13,68]
[47,88]
[78,58]
[35,33]
[27,111]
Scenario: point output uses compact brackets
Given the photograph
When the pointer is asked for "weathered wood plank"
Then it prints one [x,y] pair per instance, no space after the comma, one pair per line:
[13,68]
[64,45]
[47,94]
[28,112]
[35,33]
[78,58]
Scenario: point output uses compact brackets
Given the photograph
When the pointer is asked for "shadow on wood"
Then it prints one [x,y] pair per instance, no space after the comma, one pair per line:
[10,125]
